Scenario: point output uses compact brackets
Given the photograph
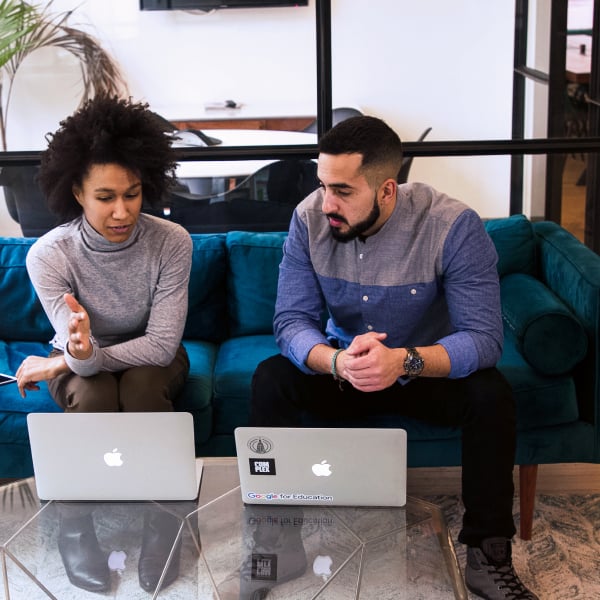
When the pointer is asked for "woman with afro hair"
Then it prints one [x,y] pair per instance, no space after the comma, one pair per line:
[112,280]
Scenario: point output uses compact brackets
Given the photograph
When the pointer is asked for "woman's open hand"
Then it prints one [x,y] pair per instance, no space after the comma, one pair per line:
[79,344]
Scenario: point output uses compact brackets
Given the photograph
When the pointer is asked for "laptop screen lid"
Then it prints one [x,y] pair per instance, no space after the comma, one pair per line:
[114,456]
[322,466]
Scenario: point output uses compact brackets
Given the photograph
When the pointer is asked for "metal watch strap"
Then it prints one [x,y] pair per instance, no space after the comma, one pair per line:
[413,363]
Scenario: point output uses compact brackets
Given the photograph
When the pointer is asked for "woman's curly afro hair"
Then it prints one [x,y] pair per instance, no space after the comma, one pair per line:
[106,130]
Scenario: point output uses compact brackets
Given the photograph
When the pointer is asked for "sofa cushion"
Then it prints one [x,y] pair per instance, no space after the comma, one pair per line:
[252,280]
[197,393]
[15,453]
[515,244]
[12,355]
[206,319]
[236,362]
[541,401]
[548,334]
[21,314]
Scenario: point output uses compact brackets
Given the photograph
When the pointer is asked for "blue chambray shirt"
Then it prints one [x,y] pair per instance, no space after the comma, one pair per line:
[428,276]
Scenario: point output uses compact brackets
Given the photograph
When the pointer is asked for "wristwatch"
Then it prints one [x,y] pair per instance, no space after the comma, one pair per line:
[413,363]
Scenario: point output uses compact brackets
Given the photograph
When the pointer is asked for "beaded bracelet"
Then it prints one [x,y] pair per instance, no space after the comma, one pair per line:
[333,368]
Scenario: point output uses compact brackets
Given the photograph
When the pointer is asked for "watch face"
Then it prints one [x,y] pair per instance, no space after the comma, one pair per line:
[413,365]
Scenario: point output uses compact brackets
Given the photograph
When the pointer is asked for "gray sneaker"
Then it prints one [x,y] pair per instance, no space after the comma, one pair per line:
[490,573]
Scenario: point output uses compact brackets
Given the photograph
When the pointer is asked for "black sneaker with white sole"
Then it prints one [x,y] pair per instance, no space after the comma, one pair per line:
[490,573]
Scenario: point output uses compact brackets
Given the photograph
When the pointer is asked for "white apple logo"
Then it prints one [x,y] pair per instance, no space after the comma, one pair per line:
[116,560]
[113,459]
[322,566]
[322,469]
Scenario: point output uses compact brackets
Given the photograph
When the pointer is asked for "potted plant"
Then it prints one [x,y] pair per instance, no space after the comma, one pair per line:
[26,27]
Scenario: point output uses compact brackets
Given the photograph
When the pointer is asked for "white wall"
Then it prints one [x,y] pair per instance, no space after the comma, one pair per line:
[536,107]
[434,63]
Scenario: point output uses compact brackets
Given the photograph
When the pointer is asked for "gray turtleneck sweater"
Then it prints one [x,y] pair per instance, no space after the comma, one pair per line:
[135,292]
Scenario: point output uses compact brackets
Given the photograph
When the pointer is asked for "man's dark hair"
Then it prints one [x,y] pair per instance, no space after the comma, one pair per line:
[106,130]
[379,145]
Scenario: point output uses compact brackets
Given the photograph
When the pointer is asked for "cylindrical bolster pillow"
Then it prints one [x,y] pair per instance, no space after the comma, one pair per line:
[549,336]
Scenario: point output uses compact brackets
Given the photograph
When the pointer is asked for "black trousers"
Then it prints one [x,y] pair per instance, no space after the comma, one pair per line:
[481,404]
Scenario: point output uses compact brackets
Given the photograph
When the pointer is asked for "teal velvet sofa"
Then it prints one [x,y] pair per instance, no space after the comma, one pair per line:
[551,304]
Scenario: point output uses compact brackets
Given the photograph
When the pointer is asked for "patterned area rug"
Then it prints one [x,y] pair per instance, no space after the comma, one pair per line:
[562,559]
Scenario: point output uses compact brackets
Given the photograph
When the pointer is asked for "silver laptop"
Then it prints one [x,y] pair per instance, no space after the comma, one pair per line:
[317,466]
[117,456]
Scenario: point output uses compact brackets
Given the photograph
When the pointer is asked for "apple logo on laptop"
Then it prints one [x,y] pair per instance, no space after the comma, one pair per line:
[113,459]
[116,560]
[322,469]
[322,566]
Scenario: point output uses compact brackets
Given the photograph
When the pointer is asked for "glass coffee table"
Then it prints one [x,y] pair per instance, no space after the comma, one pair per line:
[226,550]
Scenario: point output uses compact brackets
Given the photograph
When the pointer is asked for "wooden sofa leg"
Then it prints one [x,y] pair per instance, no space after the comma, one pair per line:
[527,483]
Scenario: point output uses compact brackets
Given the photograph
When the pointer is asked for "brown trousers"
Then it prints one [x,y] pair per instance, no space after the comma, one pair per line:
[138,389]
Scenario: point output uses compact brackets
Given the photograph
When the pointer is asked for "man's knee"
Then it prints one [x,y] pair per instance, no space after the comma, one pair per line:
[491,397]
[275,386]
[271,372]
[275,364]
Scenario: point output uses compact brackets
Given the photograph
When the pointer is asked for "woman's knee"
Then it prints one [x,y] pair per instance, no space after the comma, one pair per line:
[154,389]
[99,393]
[147,389]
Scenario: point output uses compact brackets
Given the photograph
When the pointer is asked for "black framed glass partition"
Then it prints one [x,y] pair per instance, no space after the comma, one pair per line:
[556,73]
[389,70]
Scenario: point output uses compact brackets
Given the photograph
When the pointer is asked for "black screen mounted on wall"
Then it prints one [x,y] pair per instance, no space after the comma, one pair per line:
[207,5]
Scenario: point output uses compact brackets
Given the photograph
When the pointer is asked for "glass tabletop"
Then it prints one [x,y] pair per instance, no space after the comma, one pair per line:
[19,503]
[218,548]
[253,552]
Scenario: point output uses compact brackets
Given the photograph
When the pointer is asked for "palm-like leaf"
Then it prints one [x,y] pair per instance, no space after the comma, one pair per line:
[25,27]
[16,20]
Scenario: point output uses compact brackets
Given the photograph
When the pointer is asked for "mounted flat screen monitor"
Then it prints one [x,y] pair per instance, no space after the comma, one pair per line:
[207,5]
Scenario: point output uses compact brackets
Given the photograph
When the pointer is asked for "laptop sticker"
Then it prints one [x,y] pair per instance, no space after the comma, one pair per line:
[262,466]
[260,445]
[264,567]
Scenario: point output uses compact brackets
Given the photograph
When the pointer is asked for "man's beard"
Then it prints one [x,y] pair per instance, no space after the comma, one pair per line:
[357,230]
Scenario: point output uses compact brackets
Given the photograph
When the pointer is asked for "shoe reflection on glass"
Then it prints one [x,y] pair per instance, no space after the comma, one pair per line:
[273,550]
[161,536]
[85,564]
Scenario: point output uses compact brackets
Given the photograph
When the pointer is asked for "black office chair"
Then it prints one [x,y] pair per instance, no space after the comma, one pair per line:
[27,205]
[264,201]
[24,199]
[407,161]
[337,116]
